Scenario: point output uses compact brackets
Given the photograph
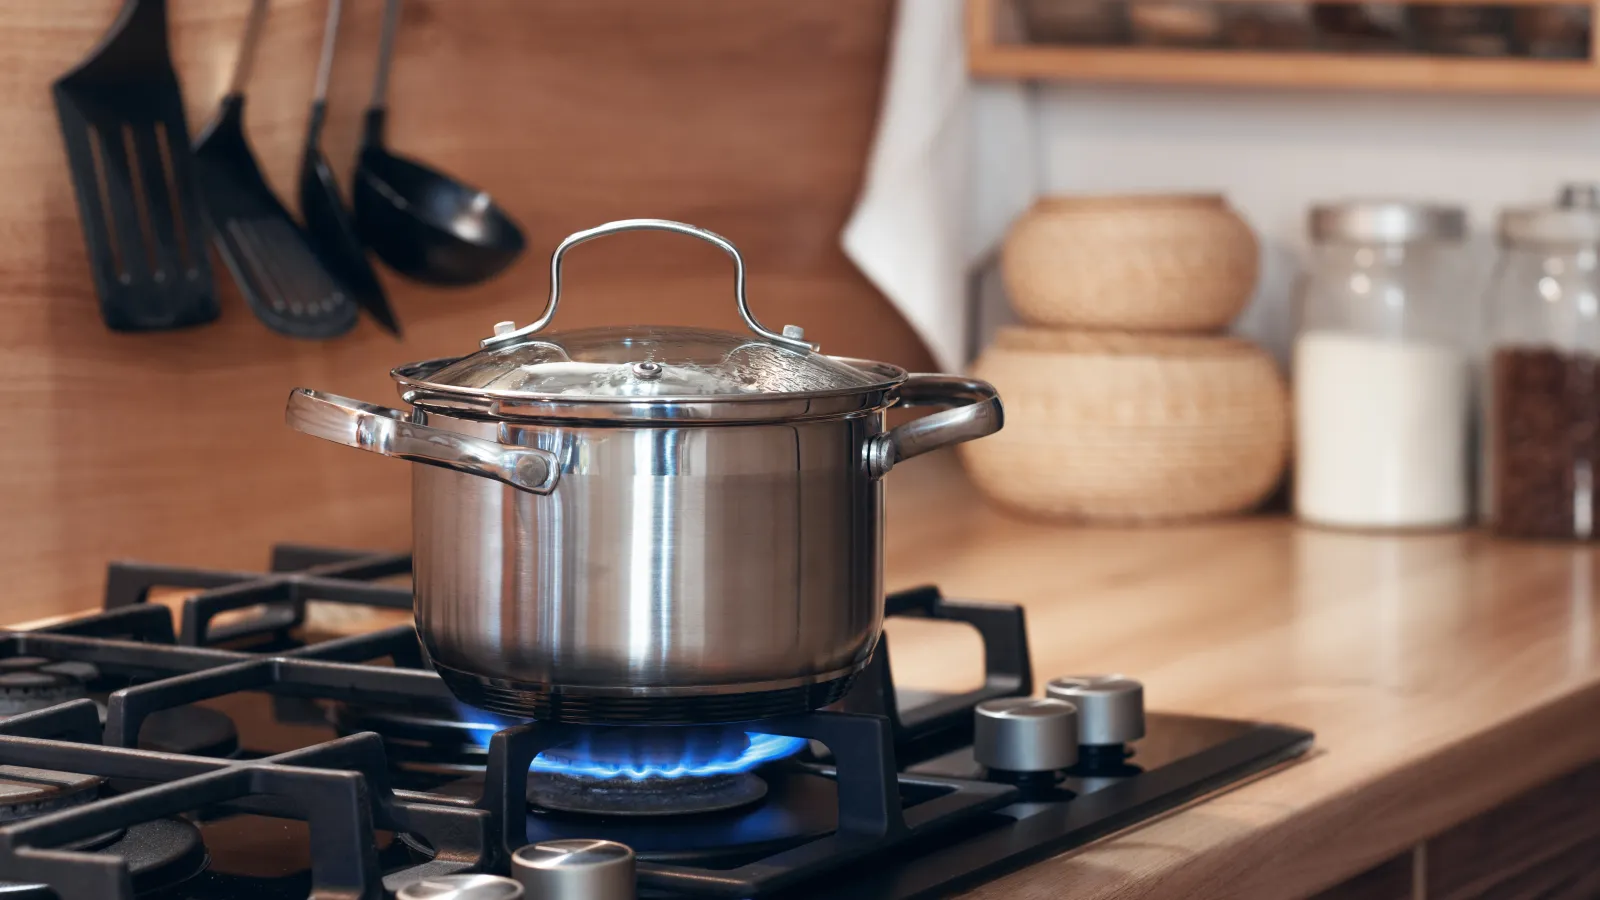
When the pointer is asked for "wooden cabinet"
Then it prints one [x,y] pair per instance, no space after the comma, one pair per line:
[999,46]
[1543,845]
[1391,880]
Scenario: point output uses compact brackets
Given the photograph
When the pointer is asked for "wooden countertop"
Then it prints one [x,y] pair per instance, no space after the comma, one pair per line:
[1442,673]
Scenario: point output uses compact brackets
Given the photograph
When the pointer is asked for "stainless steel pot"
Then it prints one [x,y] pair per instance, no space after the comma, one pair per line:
[650,525]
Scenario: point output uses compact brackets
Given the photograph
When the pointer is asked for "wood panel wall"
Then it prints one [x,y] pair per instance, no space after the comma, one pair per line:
[750,117]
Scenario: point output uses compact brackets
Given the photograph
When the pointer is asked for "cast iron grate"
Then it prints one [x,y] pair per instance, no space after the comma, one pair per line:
[342,787]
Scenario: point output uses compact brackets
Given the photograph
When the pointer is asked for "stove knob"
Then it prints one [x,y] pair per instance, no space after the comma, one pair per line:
[462,887]
[575,870]
[1025,734]
[1110,707]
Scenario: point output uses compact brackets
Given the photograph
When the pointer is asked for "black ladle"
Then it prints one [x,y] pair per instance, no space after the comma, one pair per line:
[333,234]
[422,223]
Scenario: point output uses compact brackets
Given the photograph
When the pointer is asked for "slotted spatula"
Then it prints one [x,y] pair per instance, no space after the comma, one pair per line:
[121,116]
[286,285]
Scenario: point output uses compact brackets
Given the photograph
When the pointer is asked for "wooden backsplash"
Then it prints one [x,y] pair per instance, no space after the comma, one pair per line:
[750,117]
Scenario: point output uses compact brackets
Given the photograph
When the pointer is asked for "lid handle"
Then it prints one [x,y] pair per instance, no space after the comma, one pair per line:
[792,336]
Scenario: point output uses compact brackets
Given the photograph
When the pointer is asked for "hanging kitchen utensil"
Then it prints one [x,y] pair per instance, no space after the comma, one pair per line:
[422,223]
[650,525]
[332,232]
[121,115]
[271,258]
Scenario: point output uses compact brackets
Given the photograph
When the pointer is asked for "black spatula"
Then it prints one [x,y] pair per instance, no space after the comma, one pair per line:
[278,272]
[322,208]
[121,117]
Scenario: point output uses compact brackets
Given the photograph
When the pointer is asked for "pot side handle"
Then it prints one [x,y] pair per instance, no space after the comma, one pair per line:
[977,413]
[367,426]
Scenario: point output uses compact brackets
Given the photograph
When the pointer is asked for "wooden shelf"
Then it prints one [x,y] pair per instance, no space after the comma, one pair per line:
[993,52]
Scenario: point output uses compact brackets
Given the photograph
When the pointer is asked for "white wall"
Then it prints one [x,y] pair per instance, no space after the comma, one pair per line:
[1274,153]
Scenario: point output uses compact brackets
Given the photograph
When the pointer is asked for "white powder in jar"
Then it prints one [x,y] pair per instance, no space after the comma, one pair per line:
[1381,431]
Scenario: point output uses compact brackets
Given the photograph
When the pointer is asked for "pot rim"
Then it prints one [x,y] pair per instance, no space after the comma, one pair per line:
[416,389]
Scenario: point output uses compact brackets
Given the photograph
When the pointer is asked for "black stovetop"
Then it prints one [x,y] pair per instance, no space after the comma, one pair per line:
[239,756]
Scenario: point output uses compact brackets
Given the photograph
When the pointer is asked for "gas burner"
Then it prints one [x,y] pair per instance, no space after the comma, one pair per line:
[802,806]
[664,753]
[646,796]
[29,683]
[795,807]
[655,771]
[160,853]
[25,793]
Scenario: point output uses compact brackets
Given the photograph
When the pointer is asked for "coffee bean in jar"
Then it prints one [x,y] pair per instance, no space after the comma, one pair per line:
[1544,442]
[1541,441]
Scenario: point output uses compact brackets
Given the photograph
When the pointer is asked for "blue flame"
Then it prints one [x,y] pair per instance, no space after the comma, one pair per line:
[481,725]
[763,748]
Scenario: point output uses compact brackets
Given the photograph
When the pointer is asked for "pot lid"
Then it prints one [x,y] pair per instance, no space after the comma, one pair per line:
[652,361]
[661,364]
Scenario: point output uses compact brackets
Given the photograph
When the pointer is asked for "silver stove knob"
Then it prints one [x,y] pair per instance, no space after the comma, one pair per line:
[1025,734]
[575,870]
[462,887]
[1110,707]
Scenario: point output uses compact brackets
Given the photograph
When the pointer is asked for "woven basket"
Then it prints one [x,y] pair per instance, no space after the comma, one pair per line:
[1152,263]
[1133,428]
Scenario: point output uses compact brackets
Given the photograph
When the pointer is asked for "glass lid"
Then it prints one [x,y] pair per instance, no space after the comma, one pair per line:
[651,360]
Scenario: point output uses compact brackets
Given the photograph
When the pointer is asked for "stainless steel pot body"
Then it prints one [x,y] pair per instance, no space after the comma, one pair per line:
[695,573]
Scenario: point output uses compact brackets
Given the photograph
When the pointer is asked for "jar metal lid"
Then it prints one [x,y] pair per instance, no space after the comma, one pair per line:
[1579,195]
[1386,222]
[1543,226]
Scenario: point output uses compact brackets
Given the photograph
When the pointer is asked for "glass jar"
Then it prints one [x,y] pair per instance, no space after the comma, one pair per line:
[1542,441]
[1382,384]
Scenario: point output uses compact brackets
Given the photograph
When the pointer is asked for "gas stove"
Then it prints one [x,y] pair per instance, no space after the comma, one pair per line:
[240,756]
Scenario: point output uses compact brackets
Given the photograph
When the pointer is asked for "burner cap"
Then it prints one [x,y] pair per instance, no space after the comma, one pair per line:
[161,853]
[646,796]
[190,730]
[25,793]
[28,683]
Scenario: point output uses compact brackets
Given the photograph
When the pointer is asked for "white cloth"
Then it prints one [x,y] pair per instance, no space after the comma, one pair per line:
[953,163]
